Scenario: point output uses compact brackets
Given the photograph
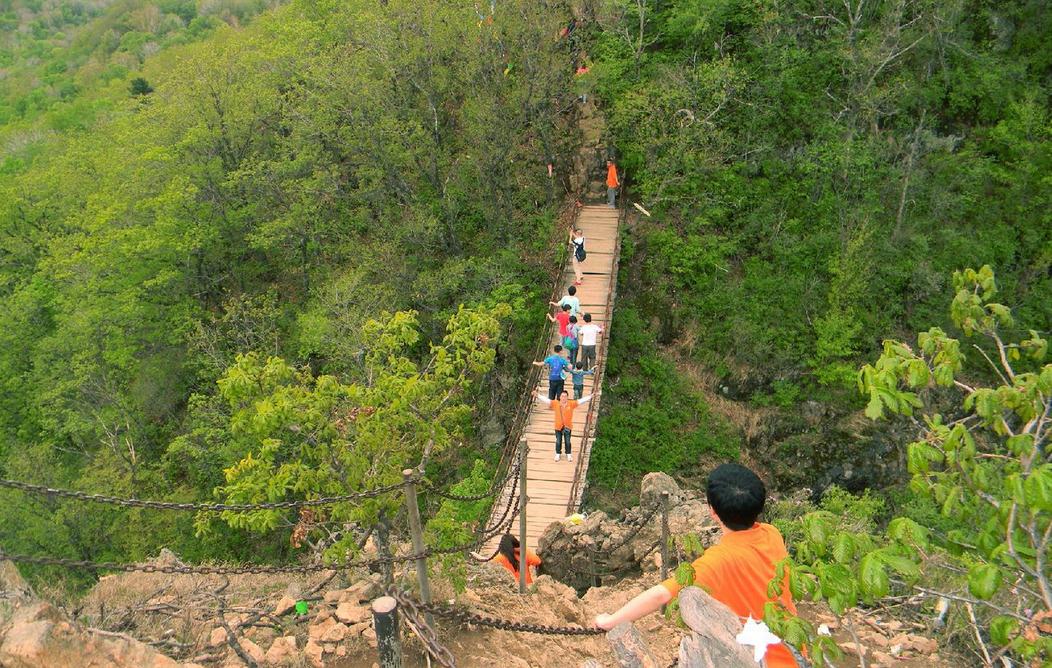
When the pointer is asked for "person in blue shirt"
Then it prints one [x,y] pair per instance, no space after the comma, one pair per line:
[556,365]
[577,374]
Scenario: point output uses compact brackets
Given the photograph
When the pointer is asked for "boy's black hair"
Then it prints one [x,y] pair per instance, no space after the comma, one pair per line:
[573,319]
[588,317]
[558,348]
[572,290]
[580,365]
[567,307]
[737,495]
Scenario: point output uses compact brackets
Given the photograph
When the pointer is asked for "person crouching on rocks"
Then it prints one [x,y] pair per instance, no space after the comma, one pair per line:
[508,557]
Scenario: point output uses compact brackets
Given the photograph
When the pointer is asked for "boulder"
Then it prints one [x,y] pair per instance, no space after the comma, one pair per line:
[653,485]
[334,596]
[252,649]
[282,651]
[314,652]
[217,637]
[363,590]
[336,633]
[601,550]
[317,631]
[284,606]
[38,635]
[352,613]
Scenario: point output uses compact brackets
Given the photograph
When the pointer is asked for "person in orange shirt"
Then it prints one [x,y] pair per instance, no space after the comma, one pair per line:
[563,409]
[508,557]
[735,571]
[612,183]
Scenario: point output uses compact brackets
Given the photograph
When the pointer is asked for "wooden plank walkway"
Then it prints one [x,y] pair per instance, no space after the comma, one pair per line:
[550,484]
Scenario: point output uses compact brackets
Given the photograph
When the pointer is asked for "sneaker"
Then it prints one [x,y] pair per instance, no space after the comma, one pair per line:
[557,456]
[569,457]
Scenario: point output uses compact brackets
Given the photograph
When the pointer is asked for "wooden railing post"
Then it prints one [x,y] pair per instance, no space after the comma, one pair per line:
[524,450]
[383,548]
[417,533]
[664,536]
[388,638]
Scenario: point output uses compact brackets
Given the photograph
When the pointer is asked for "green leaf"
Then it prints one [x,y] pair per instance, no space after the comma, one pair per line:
[1002,629]
[1038,488]
[874,409]
[983,580]
[902,565]
[873,577]
[843,547]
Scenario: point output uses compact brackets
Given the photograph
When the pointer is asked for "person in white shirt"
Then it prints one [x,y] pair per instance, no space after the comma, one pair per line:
[569,298]
[588,337]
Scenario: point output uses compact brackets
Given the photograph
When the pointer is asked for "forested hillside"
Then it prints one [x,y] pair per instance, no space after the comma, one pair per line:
[816,171]
[279,187]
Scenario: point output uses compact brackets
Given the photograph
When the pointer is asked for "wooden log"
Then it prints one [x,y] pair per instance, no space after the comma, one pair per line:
[630,648]
[712,643]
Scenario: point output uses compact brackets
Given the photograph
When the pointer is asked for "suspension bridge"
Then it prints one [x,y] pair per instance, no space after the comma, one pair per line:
[554,488]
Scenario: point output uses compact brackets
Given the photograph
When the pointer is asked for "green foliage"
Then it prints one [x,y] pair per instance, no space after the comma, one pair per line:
[300,436]
[657,423]
[284,184]
[985,468]
[815,174]
[457,522]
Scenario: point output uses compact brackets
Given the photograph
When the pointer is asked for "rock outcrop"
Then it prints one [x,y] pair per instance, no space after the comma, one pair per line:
[600,550]
[35,634]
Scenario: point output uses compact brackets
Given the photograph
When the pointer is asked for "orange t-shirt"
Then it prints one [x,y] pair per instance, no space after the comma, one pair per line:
[563,416]
[736,572]
[611,176]
[531,560]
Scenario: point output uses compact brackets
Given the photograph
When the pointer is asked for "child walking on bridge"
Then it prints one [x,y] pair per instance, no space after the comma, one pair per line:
[563,410]
[737,570]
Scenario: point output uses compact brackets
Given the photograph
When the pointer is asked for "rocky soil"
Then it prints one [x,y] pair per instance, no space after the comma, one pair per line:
[208,621]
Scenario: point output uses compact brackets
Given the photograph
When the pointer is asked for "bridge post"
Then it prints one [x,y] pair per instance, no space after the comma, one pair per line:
[388,638]
[524,452]
[416,530]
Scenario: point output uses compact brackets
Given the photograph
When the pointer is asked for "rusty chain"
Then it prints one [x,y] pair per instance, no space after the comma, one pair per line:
[256,569]
[495,487]
[465,617]
[418,622]
[203,507]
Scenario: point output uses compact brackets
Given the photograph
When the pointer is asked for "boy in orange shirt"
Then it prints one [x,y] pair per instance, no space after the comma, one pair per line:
[612,183]
[735,571]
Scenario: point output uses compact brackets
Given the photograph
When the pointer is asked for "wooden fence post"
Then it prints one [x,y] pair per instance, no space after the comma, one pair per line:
[383,547]
[664,540]
[388,638]
[417,532]
[664,536]
[524,449]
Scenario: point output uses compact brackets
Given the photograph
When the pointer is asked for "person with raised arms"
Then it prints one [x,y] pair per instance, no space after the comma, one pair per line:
[563,412]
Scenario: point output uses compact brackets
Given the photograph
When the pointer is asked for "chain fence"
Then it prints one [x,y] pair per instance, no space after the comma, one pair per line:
[446,611]
[30,488]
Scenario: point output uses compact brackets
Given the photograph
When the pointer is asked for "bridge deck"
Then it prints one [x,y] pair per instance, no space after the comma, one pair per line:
[549,484]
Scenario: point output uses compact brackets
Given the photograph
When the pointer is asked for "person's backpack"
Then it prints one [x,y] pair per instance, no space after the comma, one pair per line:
[579,251]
